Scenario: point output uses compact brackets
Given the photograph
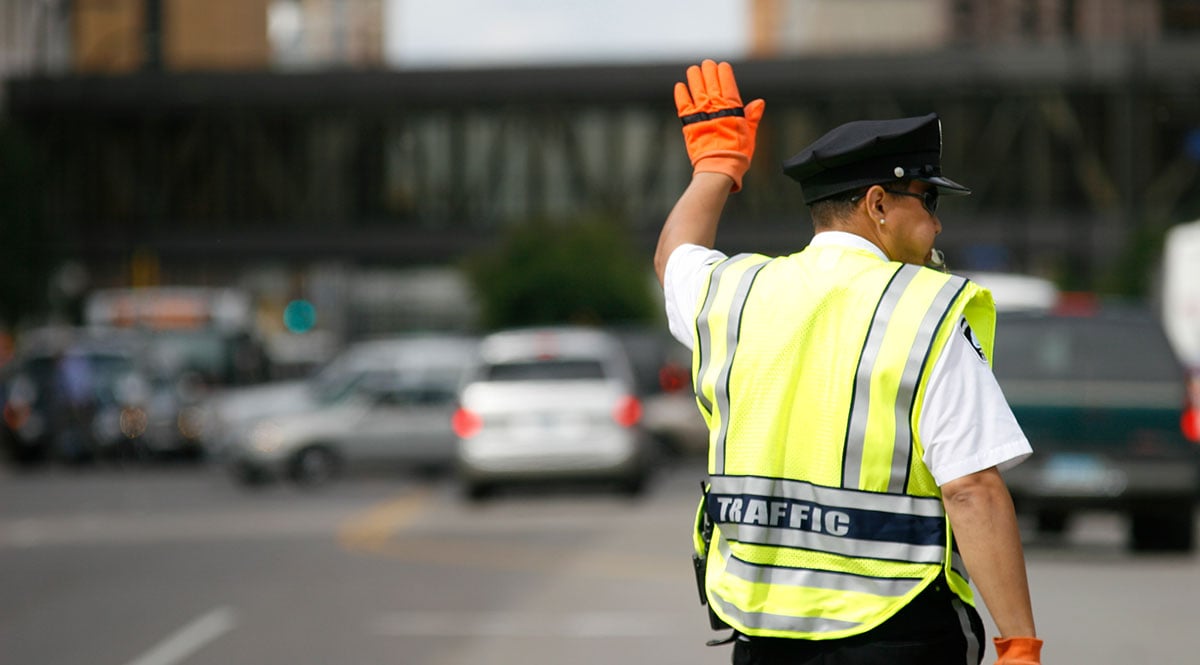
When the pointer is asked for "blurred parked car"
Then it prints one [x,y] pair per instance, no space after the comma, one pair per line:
[174,418]
[74,395]
[230,411]
[662,370]
[1100,396]
[210,331]
[1016,292]
[225,412]
[389,402]
[550,403]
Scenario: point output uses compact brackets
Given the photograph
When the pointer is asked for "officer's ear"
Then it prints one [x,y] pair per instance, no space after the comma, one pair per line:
[873,200]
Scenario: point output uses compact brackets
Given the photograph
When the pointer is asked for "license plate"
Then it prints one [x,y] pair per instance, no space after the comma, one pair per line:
[1082,474]
[548,425]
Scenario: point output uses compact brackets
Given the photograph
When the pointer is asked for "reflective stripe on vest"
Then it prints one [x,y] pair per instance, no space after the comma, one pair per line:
[807,579]
[856,434]
[797,514]
[745,268]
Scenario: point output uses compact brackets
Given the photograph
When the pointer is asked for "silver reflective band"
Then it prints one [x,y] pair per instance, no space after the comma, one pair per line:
[906,394]
[817,542]
[969,633]
[733,325]
[704,344]
[704,333]
[766,621]
[798,490]
[959,566]
[815,579]
[801,515]
[856,431]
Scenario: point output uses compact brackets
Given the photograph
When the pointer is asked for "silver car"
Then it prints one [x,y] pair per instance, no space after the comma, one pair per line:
[395,411]
[550,403]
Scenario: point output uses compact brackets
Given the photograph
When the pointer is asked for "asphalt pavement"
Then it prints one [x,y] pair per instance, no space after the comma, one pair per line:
[175,565]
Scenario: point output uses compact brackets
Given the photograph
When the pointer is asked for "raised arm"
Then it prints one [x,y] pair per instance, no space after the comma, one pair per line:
[694,218]
[720,133]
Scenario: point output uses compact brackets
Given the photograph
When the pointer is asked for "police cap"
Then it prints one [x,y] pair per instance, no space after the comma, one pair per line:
[872,152]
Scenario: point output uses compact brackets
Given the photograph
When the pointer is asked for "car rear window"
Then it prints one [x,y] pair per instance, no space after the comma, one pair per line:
[1084,349]
[545,370]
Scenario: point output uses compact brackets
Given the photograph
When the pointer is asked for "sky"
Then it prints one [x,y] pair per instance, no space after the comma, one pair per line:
[432,33]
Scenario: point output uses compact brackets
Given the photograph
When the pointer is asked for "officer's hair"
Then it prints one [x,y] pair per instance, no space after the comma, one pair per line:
[826,213]
[829,213]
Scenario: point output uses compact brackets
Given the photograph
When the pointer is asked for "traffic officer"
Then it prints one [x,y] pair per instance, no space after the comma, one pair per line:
[856,429]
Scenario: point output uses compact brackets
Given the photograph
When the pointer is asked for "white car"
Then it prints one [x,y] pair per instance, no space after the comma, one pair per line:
[395,408]
[550,403]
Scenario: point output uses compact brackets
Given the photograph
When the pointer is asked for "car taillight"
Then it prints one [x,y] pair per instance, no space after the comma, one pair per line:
[672,377]
[466,423]
[628,411]
[1190,424]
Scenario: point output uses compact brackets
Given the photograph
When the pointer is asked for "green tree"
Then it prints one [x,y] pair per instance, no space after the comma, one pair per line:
[585,272]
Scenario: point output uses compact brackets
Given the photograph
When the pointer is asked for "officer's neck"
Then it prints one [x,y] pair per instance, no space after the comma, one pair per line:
[867,228]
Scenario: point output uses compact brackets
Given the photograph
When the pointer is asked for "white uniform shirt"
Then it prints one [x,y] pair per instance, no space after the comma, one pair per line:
[966,424]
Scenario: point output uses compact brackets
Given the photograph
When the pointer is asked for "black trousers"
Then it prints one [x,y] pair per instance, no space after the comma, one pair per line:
[936,628]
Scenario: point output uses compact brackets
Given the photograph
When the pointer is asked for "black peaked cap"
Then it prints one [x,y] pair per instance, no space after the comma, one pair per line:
[871,152]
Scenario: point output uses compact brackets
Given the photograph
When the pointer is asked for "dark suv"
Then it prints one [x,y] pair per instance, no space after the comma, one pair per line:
[1100,394]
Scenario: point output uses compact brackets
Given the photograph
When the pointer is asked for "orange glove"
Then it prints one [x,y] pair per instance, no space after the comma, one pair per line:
[1018,651]
[718,129]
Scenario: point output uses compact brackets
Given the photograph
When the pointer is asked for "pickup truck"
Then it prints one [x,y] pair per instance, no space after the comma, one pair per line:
[1102,399]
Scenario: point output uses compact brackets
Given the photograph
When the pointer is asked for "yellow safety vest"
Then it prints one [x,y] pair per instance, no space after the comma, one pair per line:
[810,370]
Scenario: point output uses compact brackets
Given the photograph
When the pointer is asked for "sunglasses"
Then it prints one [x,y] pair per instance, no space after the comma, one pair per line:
[929,198]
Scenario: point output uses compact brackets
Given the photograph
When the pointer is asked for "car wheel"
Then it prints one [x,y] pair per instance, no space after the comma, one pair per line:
[1164,528]
[478,492]
[247,475]
[313,466]
[634,486]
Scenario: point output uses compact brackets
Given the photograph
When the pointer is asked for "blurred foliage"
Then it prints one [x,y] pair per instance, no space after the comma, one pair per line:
[581,271]
[1132,276]
[25,260]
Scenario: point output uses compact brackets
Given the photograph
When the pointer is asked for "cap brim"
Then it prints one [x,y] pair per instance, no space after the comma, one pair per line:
[946,186]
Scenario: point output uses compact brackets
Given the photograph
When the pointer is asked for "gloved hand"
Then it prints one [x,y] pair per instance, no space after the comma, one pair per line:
[1018,651]
[718,129]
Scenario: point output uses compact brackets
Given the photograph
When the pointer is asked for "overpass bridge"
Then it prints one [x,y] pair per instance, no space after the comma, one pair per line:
[1080,157]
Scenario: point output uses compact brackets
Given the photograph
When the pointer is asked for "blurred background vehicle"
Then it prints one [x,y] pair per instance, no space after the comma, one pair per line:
[387,403]
[662,370]
[1181,311]
[74,395]
[1100,395]
[229,411]
[208,332]
[194,341]
[551,403]
[1016,292]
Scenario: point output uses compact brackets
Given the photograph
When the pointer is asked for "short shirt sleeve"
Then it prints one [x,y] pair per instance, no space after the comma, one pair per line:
[683,278]
[966,424]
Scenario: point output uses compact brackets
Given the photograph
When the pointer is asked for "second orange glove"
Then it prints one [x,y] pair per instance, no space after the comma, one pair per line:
[1018,651]
[718,129]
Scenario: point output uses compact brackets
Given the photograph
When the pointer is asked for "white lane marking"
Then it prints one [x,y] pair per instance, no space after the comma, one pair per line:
[190,639]
[517,624]
[130,529]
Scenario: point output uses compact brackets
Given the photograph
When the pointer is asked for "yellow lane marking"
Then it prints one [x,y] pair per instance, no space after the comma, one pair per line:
[371,530]
[374,532]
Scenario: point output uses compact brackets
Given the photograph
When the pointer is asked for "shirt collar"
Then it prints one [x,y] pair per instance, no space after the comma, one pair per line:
[843,239]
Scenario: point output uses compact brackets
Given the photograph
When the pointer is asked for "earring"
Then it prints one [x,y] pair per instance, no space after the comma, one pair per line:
[882,221]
